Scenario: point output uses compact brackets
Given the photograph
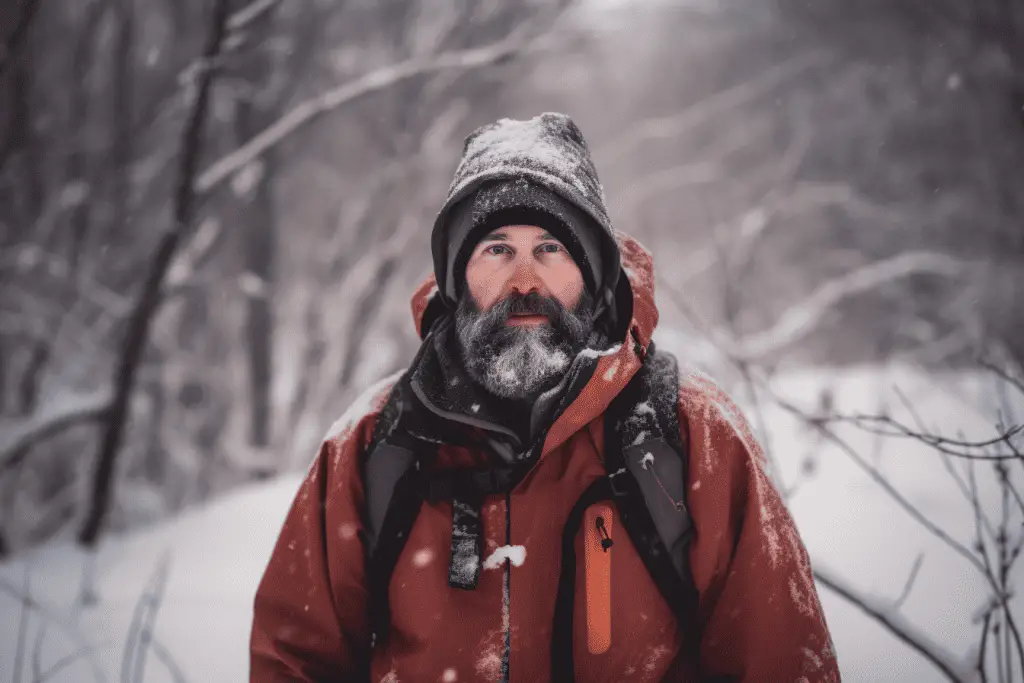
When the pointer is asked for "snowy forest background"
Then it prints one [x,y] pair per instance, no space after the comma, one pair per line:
[213,214]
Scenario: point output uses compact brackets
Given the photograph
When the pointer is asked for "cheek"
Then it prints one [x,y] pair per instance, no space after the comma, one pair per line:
[481,282]
[567,286]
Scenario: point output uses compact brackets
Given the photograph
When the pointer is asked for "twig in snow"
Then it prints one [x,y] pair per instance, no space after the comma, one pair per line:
[165,657]
[885,614]
[66,661]
[1006,376]
[910,582]
[140,633]
[940,443]
[19,648]
[877,476]
[68,631]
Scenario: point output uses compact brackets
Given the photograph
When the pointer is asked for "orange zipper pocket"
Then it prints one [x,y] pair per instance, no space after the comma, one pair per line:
[597,543]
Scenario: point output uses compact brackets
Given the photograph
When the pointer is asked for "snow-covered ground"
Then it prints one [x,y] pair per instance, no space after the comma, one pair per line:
[849,524]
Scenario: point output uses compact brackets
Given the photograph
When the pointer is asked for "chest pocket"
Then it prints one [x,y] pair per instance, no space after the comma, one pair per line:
[598,539]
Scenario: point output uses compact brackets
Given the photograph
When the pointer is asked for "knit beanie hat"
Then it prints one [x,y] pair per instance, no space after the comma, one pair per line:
[518,201]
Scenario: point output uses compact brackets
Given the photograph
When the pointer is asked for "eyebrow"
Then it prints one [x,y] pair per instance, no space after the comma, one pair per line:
[499,236]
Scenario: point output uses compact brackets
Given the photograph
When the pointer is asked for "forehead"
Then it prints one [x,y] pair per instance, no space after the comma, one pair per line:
[513,233]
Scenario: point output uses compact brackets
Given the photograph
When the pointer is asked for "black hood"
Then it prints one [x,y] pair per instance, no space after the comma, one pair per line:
[548,150]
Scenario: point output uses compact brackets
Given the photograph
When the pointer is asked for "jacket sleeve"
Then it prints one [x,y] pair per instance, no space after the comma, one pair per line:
[761,620]
[310,621]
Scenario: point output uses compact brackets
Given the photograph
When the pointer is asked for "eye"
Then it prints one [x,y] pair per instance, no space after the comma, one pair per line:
[495,249]
[554,248]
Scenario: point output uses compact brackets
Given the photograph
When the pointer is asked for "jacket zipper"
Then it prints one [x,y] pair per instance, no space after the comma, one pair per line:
[506,611]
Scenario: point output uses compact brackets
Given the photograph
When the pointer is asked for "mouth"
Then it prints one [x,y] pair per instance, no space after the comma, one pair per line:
[527,319]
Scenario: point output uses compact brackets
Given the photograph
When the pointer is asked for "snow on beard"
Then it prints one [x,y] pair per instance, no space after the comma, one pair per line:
[520,361]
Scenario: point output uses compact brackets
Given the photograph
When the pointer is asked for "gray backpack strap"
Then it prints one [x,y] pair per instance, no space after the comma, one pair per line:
[654,450]
[384,463]
[391,469]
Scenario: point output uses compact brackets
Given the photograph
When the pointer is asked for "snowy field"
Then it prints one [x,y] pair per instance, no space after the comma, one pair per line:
[217,553]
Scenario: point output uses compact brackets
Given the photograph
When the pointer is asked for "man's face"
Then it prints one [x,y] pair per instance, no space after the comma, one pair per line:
[524,314]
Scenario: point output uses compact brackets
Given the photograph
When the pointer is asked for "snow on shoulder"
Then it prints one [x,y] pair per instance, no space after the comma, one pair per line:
[704,398]
[366,403]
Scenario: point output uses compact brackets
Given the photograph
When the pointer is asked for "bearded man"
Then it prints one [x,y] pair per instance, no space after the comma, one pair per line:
[542,496]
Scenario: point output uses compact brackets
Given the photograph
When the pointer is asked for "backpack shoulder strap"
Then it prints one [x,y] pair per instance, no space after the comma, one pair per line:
[646,450]
[394,495]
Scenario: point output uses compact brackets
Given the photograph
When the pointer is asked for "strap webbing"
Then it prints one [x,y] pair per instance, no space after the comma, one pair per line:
[467,534]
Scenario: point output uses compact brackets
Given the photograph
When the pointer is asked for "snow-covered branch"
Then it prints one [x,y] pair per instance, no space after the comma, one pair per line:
[52,418]
[374,81]
[671,126]
[888,615]
[245,16]
[801,319]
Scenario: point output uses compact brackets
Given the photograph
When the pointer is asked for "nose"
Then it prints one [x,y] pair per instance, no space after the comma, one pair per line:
[525,278]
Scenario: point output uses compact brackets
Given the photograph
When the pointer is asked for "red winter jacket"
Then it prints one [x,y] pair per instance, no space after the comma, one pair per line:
[758,620]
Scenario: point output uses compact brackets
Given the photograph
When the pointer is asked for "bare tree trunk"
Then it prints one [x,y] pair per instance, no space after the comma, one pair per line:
[258,215]
[259,235]
[365,313]
[122,146]
[28,388]
[79,115]
[139,323]
[13,42]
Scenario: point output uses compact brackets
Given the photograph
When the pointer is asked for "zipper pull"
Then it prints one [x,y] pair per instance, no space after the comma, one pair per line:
[606,539]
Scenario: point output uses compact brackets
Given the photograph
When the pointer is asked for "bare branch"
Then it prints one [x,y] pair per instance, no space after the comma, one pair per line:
[148,303]
[1004,375]
[167,659]
[667,180]
[939,443]
[66,661]
[675,124]
[51,618]
[140,633]
[898,497]
[801,319]
[18,434]
[884,613]
[250,13]
[909,585]
[374,81]
[28,256]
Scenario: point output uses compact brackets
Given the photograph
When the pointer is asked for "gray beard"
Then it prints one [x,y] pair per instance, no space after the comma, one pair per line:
[521,362]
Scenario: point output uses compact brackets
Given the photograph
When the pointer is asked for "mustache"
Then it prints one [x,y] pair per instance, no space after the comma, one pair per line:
[527,304]
[484,328]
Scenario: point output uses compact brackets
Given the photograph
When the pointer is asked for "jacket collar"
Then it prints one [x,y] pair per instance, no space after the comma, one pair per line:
[594,378]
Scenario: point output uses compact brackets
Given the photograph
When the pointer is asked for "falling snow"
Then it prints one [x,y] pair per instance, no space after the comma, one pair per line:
[422,557]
